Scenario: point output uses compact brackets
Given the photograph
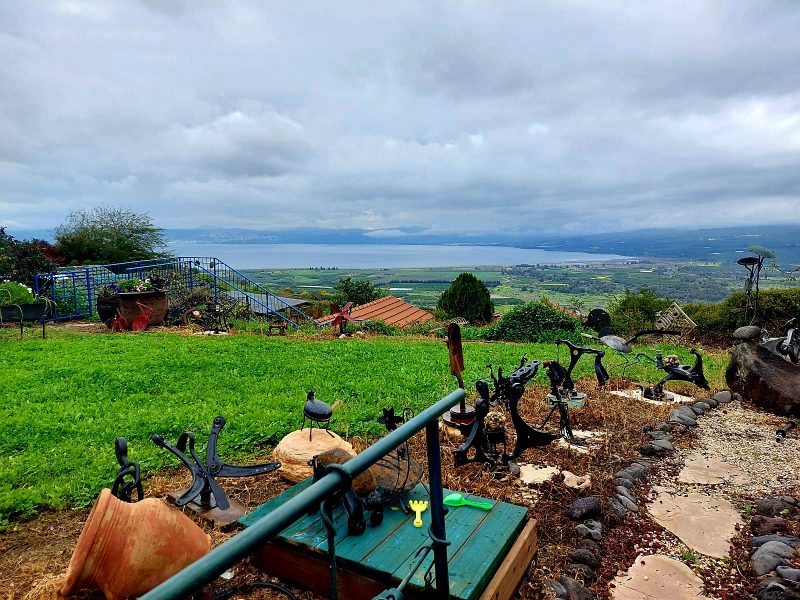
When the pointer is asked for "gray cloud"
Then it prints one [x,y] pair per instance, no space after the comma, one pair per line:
[446,116]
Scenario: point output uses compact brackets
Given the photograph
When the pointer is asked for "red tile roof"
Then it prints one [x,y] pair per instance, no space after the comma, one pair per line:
[391,310]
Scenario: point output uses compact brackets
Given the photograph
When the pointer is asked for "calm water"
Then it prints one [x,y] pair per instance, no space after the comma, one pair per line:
[359,256]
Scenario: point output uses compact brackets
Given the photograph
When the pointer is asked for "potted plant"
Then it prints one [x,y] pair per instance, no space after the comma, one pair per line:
[18,303]
[107,303]
[142,291]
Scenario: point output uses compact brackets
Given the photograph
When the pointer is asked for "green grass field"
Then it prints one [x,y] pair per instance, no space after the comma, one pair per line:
[64,399]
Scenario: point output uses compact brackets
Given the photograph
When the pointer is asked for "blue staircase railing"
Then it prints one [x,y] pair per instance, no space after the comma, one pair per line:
[73,291]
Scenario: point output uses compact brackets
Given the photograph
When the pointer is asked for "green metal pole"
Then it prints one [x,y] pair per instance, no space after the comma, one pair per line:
[206,569]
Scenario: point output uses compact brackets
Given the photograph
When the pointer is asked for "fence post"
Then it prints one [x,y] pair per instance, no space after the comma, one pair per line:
[89,291]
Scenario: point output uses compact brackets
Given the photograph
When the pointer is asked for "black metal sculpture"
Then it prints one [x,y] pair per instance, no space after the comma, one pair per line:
[128,477]
[780,435]
[502,385]
[485,451]
[204,484]
[575,354]
[787,346]
[677,372]
[317,412]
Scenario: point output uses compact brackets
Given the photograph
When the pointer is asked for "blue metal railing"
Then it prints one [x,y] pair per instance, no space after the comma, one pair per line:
[73,291]
[338,478]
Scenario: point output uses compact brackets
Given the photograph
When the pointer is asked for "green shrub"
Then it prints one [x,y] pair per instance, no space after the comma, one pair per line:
[775,307]
[356,291]
[12,292]
[636,311]
[533,322]
[467,297]
[377,327]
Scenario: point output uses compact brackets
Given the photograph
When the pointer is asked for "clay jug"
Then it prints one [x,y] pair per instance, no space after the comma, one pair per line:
[126,549]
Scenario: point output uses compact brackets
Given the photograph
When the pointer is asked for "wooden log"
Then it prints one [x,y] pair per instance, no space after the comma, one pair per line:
[764,378]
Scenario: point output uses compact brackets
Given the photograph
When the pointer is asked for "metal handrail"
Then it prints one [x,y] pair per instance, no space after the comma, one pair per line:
[221,558]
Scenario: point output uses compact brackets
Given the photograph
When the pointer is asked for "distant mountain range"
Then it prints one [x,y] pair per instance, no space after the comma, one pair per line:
[724,244]
[701,244]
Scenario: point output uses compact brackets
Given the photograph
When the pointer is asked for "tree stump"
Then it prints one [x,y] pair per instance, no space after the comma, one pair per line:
[765,378]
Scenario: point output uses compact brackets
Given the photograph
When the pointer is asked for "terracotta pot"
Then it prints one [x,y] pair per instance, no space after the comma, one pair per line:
[156,299]
[126,549]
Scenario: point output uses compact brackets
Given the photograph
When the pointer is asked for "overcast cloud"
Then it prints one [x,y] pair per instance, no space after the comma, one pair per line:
[452,116]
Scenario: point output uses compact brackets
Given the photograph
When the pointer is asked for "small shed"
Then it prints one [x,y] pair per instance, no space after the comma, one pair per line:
[389,309]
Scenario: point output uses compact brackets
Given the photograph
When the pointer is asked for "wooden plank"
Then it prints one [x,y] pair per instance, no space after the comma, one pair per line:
[513,568]
[311,572]
[478,558]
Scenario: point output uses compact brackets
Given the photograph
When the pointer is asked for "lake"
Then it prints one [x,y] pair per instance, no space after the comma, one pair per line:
[364,256]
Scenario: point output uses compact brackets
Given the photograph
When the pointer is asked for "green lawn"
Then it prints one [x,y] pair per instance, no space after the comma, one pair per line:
[64,399]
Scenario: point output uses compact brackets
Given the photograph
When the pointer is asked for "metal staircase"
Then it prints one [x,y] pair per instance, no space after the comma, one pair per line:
[73,290]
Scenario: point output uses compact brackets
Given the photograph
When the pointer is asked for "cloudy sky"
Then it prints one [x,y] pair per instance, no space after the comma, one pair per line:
[540,117]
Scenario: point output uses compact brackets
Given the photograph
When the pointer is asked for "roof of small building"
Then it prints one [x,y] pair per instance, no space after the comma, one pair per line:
[391,310]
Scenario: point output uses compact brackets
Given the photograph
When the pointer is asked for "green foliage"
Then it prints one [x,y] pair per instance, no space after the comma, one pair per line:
[105,235]
[22,260]
[356,291]
[135,285]
[467,297]
[377,327]
[533,322]
[775,307]
[635,311]
[691,556]
[12,292]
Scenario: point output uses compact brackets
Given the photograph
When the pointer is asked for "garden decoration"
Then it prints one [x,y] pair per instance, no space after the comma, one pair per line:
[787,346]
[753,264]
[135,292]
[600,321]
[419,507]
[527,436]
[361,495]
[127,549]
[343,316]
[316,411]
[502,385]
[560,399]
[213,503]
[455,500]
[460,416]
[484,443]
[107,303]
[676,372]
[380,485]
[780,435]
[213,318]
[128,478]
[119,323]
[575,354]
[140,322]
[18,304]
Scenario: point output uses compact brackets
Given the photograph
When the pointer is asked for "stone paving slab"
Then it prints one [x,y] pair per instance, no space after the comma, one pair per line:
[637,395]
[703,523]
[699,469]
[655,576]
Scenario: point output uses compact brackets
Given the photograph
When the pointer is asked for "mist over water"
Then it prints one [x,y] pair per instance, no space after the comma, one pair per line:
[364,256]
